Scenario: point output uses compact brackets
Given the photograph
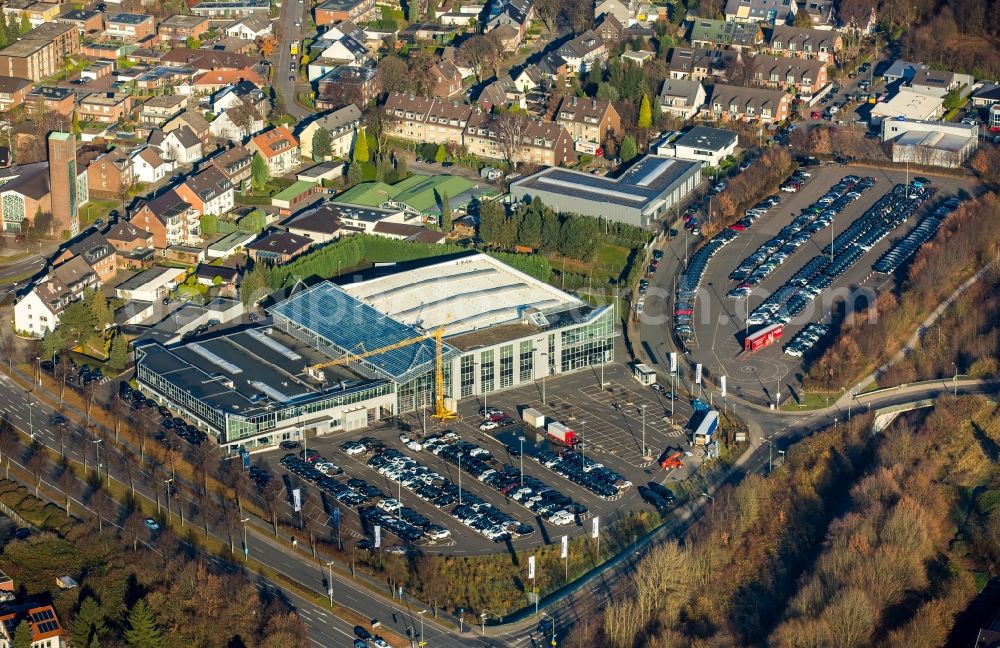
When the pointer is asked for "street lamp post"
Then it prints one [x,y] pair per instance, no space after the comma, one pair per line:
[644,451]
[31,424]
[246,546]
[520,439]
[329,583]
[97,454]
[421,613]
[583,442]
[549,617]
[770,448]
[781,453]
[167,483]
[711,498]
[483,619]
[954,380]
[459,478]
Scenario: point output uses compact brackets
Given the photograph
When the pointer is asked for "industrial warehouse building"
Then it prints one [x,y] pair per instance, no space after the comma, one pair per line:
[644,193]
[258,385]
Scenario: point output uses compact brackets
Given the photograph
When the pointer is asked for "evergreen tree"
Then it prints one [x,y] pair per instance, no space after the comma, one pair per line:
[657,110]
[97,302]
[530,231]
[88,623]
[255,285]
[445,212]
[22,636]
[491,216]
[353,173]
[645,113]
[259,173]
[441,154]
[142,630]
[361,147]
[12,28]
[628,149]
[322,144]
[401,169]
[25,25]
[550,230]
[76,123]
[53,343]
[578,237]
[413,11]
[118,356]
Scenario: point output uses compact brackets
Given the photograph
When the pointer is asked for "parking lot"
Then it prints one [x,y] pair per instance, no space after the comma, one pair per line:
[388,482]
[721,322]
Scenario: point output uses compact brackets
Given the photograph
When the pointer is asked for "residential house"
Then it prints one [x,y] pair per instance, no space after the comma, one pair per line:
[446,79]
[40,53]
[133,246]
[46,630]
[346,85]
[807,76]
[207,59]
[724,34]
[901,70]
[37,13]
[986,95]
[223,10]
[85,20]
[181,27]
[129,27]
[700,63]
[278,247]
[97,70]
[938,83]
[37,312]
[589,121]
[105,107]
[237,123]
[342,125]
[212,81]
[425,33]
[209,191]
[111,174]
[221,277]
[529,78]
[509,38]
[158,110]
[92,249]
[542,143]
[610,29]
[346,50]
[243,93]
[738,103]
[775,12]
[624,11]
[180,145]
[13,92]
[250,28]
[426,119]
[823,15]
[582,52]
[710,146]
[149,165]
[785,40]
[502,93]
[279,148]
[169,218]
[639,57]
[514,13]
[682,98]
[50,99]
[193,120]
[332,12]
[234,163]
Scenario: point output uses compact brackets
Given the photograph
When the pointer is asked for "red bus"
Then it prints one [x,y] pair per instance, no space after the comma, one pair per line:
[763,338]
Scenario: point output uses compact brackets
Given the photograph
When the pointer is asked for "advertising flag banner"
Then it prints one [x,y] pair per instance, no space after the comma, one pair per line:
[722,385]
[697,374]
[531,567]
[565,547]
[378,537]
[673,362]
[297,499]
[593,532]
[336,518]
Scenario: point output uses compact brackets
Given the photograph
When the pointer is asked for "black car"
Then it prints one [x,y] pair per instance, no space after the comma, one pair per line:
[544,627]
[57,419]
[289,445]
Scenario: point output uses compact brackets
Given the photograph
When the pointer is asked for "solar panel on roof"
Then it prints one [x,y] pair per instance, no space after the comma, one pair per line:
[576,186]
[43,615]
[214,359]
[48,626]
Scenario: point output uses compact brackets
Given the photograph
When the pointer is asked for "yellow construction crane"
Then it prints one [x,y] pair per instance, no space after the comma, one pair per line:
[441,411]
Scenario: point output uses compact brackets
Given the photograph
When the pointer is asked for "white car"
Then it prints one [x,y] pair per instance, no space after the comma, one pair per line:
[486,426]
[389,505]
[353,448]
[438,534]
[404,437]
[413,445]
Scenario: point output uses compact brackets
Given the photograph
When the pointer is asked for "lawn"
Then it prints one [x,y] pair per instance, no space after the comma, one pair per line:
[810,400]
[97,209]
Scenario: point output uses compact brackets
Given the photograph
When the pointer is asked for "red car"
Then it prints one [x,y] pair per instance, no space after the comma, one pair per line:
[815,115]
[738,227]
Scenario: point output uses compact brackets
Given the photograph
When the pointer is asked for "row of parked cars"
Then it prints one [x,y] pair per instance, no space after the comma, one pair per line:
[535,495]
[773,252]
[792,297]
[313,468]
[796,181]
[594,476]
[394,522]
[805,339]
[690,281]
[908,245]
[77,376]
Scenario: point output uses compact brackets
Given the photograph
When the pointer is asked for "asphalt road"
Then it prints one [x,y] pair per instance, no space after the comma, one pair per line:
[287,32]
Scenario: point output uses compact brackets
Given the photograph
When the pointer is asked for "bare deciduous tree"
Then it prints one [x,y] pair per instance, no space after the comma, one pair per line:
[511,129]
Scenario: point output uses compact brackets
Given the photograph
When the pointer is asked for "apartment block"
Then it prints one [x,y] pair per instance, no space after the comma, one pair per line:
[41,52]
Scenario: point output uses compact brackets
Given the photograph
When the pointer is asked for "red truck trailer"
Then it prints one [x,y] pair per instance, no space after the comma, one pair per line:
[561,434]
[763,338]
